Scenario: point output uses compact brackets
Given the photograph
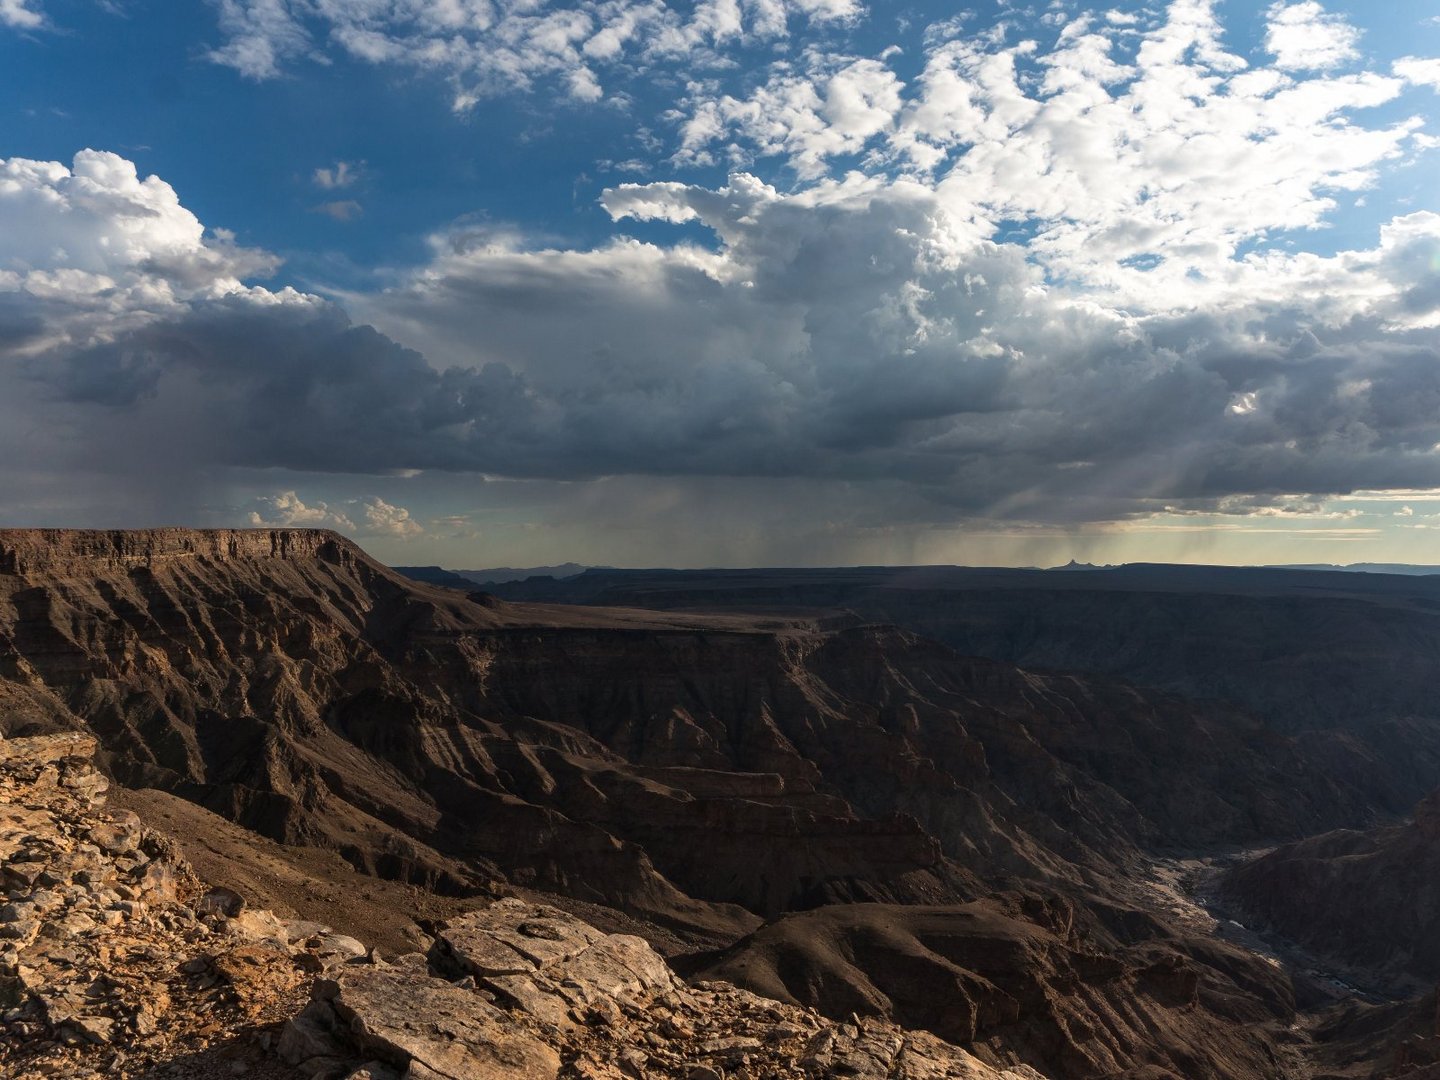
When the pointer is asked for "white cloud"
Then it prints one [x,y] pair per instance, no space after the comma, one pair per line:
[834,107]
[285,510]
[382,519]
[20,15]
[376,517]
[106,248]
[1420,71]
[341,175]
[489,46]
[1143,158]
[261,34]
[1303,37]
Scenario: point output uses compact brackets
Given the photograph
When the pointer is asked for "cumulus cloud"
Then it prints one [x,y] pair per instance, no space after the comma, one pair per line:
[940,369]
[1143,161]
[1303,36]
[939,361]
[100,249]
[382,519]
[376,517]
[834,107]
[341,175]
[285,510]
[20,15]
[1421,71]
[489,46]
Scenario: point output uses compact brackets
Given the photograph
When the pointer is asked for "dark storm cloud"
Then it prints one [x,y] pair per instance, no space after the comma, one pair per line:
[869,340]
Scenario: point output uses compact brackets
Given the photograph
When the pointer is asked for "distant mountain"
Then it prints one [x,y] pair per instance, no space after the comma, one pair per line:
[435,575]
[468,579]
[1365,568]
[511,573]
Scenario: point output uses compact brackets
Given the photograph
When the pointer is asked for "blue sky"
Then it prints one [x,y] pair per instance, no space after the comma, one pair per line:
[736,281]
[134,77]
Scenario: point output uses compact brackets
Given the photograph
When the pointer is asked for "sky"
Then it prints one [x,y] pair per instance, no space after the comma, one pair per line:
[728,282]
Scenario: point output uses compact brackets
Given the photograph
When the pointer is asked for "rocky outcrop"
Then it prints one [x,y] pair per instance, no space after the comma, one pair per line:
[114,958]
[526,992]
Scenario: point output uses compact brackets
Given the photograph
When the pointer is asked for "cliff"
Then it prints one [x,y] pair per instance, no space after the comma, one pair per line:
[65,552]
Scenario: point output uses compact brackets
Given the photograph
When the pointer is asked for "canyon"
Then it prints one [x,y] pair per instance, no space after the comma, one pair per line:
[928,800]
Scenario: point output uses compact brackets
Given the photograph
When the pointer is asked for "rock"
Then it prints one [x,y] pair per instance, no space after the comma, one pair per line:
[374,1070]
[93,1029]
[451,1032]
[304,1038]
[91,983]
[333,949]
[120,835]
[593,1000]
[220,901]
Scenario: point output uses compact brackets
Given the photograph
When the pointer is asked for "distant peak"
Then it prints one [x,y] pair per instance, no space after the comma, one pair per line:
[1073,565]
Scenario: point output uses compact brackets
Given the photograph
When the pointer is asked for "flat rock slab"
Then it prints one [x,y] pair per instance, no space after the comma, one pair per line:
[404,1018]
[512,938]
